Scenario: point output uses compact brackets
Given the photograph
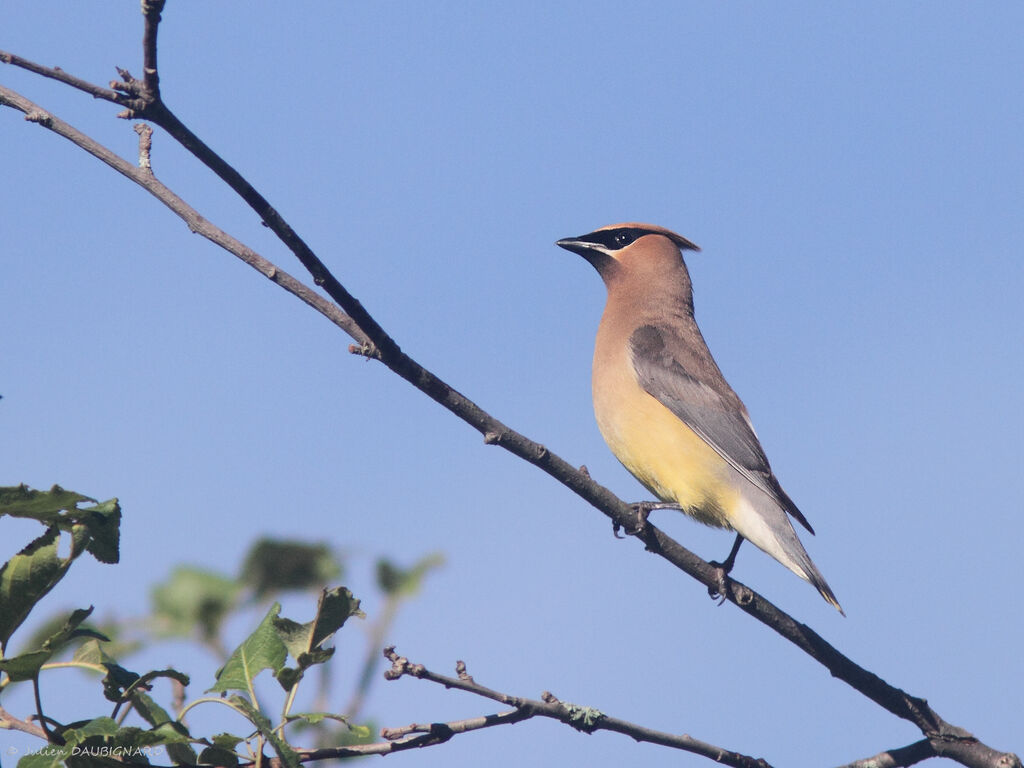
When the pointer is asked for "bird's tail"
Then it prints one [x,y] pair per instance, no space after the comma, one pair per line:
[768,528]
[810,572]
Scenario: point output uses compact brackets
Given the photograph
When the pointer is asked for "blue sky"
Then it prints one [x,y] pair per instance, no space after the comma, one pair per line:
[853,173]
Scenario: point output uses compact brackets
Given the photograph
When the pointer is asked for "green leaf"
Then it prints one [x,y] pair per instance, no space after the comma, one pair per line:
[42,631]
[315,718]
[295,636]
[96,528]
[400,582]
[170,732]
[336,606]
[117,679]
[289,677]
[149,710]
[177,739]
[182,754]
[103,523]
[332,730]
[70,629]
[49,756]
[361,733]
[100,726]
[216,756]
[121,684]
[101,742]
[227,740]
[194,601]
[274,565]
[154,674]
[26,578]
[288,756]
[222,753]
[263,649]
[25,666]
[304,641]
[91,652]
[45,506]
[333,610]
[109,632]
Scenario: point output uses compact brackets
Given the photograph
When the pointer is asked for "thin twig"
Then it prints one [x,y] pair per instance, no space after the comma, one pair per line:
[897,758]
[49,735]
[9,722]
[146,104]
[183,210]
[145,145]
[584,719]
[56,73]
[151,10]
[419,735]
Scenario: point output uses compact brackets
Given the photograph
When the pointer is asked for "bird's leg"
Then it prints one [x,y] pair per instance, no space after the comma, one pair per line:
[722,570]
[643,510]
[730,561]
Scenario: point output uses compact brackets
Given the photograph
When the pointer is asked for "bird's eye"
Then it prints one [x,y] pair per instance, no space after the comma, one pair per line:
[624,238]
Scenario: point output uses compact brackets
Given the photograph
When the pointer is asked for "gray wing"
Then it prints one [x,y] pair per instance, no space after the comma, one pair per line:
[718,418]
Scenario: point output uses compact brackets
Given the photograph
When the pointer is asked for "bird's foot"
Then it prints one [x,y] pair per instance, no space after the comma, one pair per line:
[721,576]
[643,510]
[719,590]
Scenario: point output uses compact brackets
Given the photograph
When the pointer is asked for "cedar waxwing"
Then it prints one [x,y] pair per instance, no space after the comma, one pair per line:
[664,407]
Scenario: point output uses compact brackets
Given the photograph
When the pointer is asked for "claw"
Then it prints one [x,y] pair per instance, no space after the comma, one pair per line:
[721,586]
[643,510]
[719,590]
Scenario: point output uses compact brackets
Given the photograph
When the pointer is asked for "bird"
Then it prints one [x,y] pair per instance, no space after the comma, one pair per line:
[664,407]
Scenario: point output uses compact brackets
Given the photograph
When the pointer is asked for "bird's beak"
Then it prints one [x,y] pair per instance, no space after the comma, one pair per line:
[582,247]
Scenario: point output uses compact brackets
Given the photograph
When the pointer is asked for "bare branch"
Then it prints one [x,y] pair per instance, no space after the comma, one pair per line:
[151,10]
[195,222]
[897,758]
[145,145]
[56,73]
[583,719]
[9,722]
[966,753]
[142,98]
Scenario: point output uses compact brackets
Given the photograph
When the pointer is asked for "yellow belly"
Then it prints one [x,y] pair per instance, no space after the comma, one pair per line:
[664,454]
